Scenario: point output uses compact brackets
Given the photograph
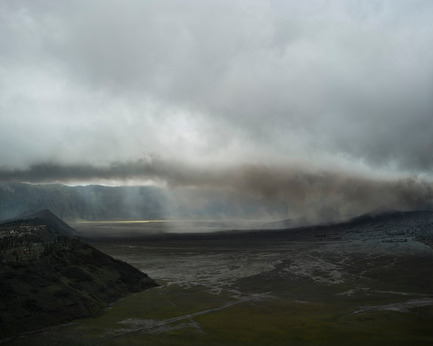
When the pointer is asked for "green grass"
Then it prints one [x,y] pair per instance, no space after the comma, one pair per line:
[297,311]
[272,321]
[67,282]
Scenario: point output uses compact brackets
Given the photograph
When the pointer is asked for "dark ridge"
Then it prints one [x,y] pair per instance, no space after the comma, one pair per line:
[390,215]
[49,278]
[372,220]
[44,217]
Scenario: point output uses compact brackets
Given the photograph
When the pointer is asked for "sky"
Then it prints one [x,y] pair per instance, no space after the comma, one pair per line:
[321,103]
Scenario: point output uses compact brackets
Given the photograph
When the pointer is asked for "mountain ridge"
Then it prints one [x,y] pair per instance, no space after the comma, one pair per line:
[96,202]
[46,217]
[48,277]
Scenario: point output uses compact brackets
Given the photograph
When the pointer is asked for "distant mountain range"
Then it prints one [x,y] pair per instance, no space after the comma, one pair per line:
[94,202]
[82,202]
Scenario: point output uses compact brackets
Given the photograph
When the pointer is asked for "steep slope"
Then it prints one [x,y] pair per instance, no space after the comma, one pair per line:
[45,281]
[387,224]
[44,217]
[408,218]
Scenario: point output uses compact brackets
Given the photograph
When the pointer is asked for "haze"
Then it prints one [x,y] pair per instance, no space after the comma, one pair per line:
[323,104]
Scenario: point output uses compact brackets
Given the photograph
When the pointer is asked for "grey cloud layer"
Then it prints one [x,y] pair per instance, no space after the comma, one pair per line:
[110,80]
[344,84]
[315,195]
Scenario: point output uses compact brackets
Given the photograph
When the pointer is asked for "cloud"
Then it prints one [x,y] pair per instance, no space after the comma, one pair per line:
[312,195]
[342,88]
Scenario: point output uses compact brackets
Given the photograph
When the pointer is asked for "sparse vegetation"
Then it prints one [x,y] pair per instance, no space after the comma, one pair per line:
[46,282]
[284,289]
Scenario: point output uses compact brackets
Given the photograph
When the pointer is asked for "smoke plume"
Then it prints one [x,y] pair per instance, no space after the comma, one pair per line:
[310,194]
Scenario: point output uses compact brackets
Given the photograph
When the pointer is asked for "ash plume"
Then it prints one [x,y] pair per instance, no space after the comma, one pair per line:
[313,195]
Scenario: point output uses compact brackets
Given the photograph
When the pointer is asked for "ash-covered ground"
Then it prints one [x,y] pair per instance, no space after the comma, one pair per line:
[367,281]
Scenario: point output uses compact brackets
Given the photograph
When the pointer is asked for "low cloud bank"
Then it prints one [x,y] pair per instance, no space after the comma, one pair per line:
[310,194]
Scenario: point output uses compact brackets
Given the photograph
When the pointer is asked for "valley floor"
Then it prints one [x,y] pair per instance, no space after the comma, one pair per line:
[256,292]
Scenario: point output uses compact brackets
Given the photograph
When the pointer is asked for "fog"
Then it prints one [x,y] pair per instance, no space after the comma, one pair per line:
[323,105]
[308,193]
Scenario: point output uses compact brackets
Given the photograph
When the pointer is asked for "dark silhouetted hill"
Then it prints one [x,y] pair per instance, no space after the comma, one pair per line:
[44,217]
[48,277]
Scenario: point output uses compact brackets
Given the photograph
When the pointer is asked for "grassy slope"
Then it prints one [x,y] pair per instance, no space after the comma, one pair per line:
[297,311]
[273,321]
[69,280]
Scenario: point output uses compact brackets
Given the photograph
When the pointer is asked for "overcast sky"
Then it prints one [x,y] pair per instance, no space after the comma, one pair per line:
[111,91]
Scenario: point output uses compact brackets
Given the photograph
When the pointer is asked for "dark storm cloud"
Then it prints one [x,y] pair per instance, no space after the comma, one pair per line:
[316,195]
[151,169]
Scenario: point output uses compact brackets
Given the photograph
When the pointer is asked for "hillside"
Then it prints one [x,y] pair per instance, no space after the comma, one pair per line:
[56,226]
[381,225]
[48,278]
